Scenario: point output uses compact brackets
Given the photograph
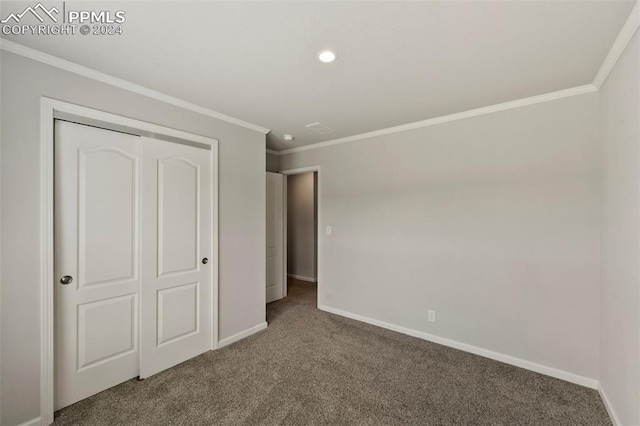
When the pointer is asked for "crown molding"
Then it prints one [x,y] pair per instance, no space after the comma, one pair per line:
[63,64]
[272,151]
[622,41]
[580,90]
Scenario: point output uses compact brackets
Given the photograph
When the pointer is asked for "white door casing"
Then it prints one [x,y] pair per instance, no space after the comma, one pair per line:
[176,228]
[275,237]
[97,244]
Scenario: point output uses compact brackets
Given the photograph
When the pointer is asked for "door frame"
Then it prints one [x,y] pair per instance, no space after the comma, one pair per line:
[51,109]
[299,171]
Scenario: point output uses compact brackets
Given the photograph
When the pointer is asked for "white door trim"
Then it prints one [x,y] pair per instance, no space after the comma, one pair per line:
[285,248]
[299,171]
[51,109]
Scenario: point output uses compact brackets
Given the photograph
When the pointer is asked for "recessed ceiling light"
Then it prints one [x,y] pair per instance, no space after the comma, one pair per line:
[326,56]
[288,138]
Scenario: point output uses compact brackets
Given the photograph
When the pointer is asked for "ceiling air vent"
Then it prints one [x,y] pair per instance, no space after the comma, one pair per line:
[319,128]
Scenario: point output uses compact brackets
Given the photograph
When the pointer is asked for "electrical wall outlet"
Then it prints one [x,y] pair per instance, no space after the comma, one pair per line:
[432,316]
[328,230]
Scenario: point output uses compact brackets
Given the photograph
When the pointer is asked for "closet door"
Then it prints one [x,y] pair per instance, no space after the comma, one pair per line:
[275,237]
[97,256]
[177,254]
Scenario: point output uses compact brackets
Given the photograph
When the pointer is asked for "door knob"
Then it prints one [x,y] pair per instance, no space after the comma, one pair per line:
[67,279]
[205,260]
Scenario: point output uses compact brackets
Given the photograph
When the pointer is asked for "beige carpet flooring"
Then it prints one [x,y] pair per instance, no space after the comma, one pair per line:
[311,367]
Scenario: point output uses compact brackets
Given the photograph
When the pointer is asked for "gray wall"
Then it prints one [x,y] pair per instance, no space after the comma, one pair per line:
[620,293]
[492,221]
[273,163]
[301,229]
[241,221]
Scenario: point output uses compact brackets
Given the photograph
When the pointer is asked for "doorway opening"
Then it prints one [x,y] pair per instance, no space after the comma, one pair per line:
[293,239]
[301,216]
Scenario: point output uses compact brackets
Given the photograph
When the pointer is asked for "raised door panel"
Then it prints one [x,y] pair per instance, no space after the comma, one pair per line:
[178,312]
[272,217]
[107,216]
[178,215]
[107,329]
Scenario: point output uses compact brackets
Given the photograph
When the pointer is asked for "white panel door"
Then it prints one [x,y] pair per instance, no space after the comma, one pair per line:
[176,235]
[275,240]
[97,261]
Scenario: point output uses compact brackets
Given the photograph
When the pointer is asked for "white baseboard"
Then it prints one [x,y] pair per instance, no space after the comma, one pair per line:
[301,278]
[607,404]
[518,362]
[33,422]
[239,336]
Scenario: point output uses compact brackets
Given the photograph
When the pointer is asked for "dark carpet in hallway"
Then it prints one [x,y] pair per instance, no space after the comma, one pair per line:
[311,367]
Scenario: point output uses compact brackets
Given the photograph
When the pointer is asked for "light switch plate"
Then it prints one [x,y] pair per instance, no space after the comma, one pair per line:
[328,230]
